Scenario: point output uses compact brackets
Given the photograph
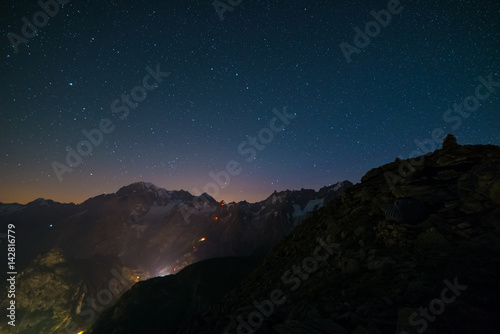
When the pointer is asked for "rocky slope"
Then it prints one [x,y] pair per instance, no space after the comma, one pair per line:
[413,248]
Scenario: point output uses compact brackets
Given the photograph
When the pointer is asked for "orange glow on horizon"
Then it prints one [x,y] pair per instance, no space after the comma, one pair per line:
[78,189]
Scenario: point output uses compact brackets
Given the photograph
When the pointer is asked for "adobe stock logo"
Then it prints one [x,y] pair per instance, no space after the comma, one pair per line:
[40,20]
[296,275]
[456,115]
[221,7]
[372,29]
[95,136]
[250,147]
[436,307]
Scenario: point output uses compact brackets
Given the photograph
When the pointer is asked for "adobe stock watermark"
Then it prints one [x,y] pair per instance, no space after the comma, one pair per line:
[436,306]
[372,29]
[94,306]
[293,277]
[453,115]
[222,7]
[95,136]
[248,148]
[40,19]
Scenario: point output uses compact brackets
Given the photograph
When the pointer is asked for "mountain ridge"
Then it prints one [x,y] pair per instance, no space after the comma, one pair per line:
[150,185]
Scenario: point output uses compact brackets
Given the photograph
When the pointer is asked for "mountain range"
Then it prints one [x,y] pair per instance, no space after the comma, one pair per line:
[139,232]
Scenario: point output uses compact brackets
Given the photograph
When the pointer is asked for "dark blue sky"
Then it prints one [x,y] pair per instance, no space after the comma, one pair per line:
[226,77]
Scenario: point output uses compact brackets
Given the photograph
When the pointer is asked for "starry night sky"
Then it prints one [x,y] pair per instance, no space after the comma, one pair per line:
[226,77]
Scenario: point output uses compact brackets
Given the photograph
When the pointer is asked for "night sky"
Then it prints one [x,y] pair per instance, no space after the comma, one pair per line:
[226,78]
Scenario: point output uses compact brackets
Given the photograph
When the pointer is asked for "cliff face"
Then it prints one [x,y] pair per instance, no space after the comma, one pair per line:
[42,285]
[413,248]
[55,294]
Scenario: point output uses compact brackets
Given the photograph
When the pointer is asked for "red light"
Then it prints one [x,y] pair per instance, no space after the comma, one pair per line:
[216,218]
[194,246]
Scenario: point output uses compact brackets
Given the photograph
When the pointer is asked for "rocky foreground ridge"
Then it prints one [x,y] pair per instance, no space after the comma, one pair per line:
[413,248]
